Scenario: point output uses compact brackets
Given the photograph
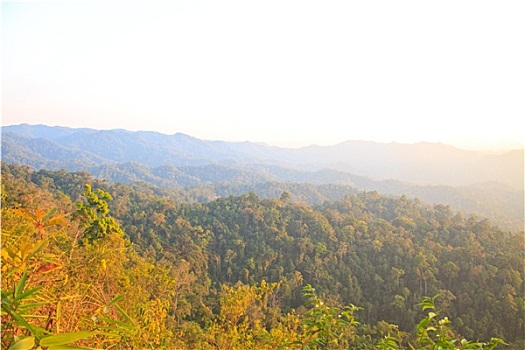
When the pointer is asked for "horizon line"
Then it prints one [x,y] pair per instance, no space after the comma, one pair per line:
[491,147]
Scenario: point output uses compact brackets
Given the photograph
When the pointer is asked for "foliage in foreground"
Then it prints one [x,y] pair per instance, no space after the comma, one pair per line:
[77,281]
[32,317]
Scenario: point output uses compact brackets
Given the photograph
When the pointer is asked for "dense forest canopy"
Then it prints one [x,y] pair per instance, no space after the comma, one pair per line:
[108,264]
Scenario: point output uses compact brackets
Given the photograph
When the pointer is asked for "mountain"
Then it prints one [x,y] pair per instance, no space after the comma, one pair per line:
[120,146]
[43,146]
[486,184]
[425,163]
[43,153]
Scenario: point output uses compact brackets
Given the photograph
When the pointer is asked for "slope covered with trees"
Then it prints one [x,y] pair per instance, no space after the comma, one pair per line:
[124,266]
[486,184]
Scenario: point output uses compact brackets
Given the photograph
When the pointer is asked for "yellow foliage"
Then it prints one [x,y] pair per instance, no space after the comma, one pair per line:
[42,219]
[153,331]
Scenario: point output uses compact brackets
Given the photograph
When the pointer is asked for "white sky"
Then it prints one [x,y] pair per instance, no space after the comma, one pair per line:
[288,73]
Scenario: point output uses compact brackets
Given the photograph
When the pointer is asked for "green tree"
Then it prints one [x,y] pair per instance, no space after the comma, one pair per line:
[93,213]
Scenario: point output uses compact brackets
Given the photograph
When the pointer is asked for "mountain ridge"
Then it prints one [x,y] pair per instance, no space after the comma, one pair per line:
[46,131]
[423,163]
[470,181]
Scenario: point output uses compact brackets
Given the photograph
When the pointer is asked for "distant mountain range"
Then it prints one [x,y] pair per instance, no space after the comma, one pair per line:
[485,183]
[43,146]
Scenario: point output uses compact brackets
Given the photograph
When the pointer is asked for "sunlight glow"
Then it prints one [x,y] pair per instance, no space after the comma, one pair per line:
[287,73]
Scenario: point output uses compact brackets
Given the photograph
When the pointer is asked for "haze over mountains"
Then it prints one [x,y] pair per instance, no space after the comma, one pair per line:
[490,184]
[427,163]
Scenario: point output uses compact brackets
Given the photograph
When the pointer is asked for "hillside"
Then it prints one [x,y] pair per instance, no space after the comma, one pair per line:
[234,272]
[489,185]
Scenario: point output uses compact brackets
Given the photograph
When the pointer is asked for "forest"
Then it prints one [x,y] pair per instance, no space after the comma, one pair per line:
[91,264]
[485,184]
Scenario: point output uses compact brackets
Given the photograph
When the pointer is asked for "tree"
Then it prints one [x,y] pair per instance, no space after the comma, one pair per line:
[94,215]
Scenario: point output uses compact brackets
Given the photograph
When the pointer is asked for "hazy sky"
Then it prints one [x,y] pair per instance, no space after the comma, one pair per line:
[283,72]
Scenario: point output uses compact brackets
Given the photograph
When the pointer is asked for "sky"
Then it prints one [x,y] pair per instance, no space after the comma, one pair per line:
[287,73]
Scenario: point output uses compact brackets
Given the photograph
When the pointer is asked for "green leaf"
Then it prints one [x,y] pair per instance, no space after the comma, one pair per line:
[66,338]
[123,313]
[29,307]
[6,303]
[24,344]
[27,293]
[116,322]
[42,245]
[20,320]
[423,323]
[117,298]
[20,286]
